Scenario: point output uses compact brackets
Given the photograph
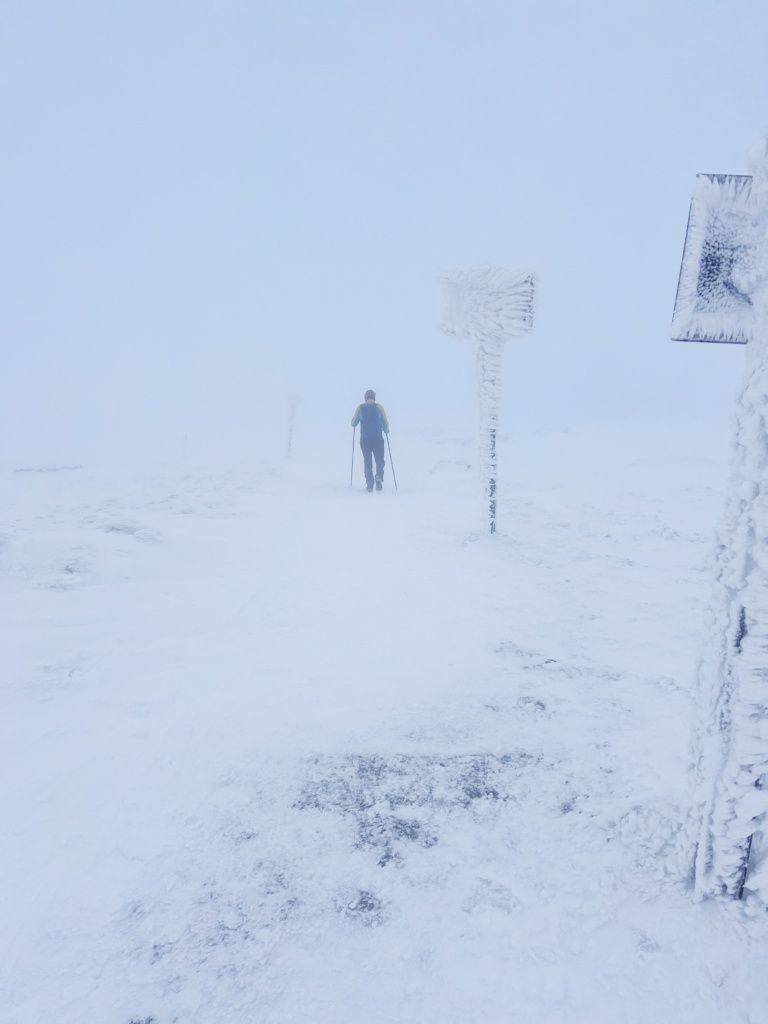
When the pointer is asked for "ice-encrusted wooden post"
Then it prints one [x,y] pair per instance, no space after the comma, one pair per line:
[487,306]
[723,297]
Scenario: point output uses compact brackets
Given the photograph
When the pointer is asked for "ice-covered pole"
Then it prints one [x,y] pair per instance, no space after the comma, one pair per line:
[487,306]
[730,802]
[733,765]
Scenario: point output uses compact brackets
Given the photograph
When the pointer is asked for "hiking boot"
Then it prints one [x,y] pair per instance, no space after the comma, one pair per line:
[369,487]
[378,483]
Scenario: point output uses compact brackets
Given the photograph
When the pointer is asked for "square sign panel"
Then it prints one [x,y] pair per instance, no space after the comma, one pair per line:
[488,302]
[712,302]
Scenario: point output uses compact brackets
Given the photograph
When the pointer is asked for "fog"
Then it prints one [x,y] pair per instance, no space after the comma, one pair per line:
[211,210]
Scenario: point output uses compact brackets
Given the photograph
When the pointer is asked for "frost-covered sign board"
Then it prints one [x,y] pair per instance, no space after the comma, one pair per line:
[722,296]
[712,303]
[487,306]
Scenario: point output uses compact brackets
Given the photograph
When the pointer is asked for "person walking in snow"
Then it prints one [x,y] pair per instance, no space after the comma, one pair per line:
[373,421]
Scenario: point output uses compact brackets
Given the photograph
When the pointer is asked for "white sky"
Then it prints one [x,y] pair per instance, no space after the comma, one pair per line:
[207,207]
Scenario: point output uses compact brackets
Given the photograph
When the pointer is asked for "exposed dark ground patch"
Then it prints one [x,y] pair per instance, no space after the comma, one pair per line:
[394,801]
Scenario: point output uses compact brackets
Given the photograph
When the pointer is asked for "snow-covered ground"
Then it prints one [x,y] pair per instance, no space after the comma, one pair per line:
[277,750]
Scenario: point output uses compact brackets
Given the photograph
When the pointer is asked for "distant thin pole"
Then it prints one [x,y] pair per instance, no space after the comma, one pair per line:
[292,403]
[352,469]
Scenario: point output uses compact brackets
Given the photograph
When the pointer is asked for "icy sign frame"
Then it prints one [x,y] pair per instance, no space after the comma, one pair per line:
[488,305]
[722,296]
[712,303]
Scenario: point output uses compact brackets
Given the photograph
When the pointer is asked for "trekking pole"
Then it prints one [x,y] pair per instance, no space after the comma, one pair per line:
[391,462]
[352,469]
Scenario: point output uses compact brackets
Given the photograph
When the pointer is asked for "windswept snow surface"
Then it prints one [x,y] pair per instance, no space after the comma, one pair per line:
[277,750]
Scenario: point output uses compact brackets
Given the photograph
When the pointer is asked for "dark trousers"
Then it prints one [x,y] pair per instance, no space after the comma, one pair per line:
[372,447]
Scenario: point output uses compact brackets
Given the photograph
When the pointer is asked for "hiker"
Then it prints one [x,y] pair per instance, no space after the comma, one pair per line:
[373,420]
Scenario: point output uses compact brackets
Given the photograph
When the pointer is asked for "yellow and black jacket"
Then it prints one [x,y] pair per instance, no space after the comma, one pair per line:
[372,419]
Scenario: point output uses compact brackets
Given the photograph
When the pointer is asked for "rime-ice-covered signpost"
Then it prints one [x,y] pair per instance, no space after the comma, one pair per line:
[723,297]
[487,306]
